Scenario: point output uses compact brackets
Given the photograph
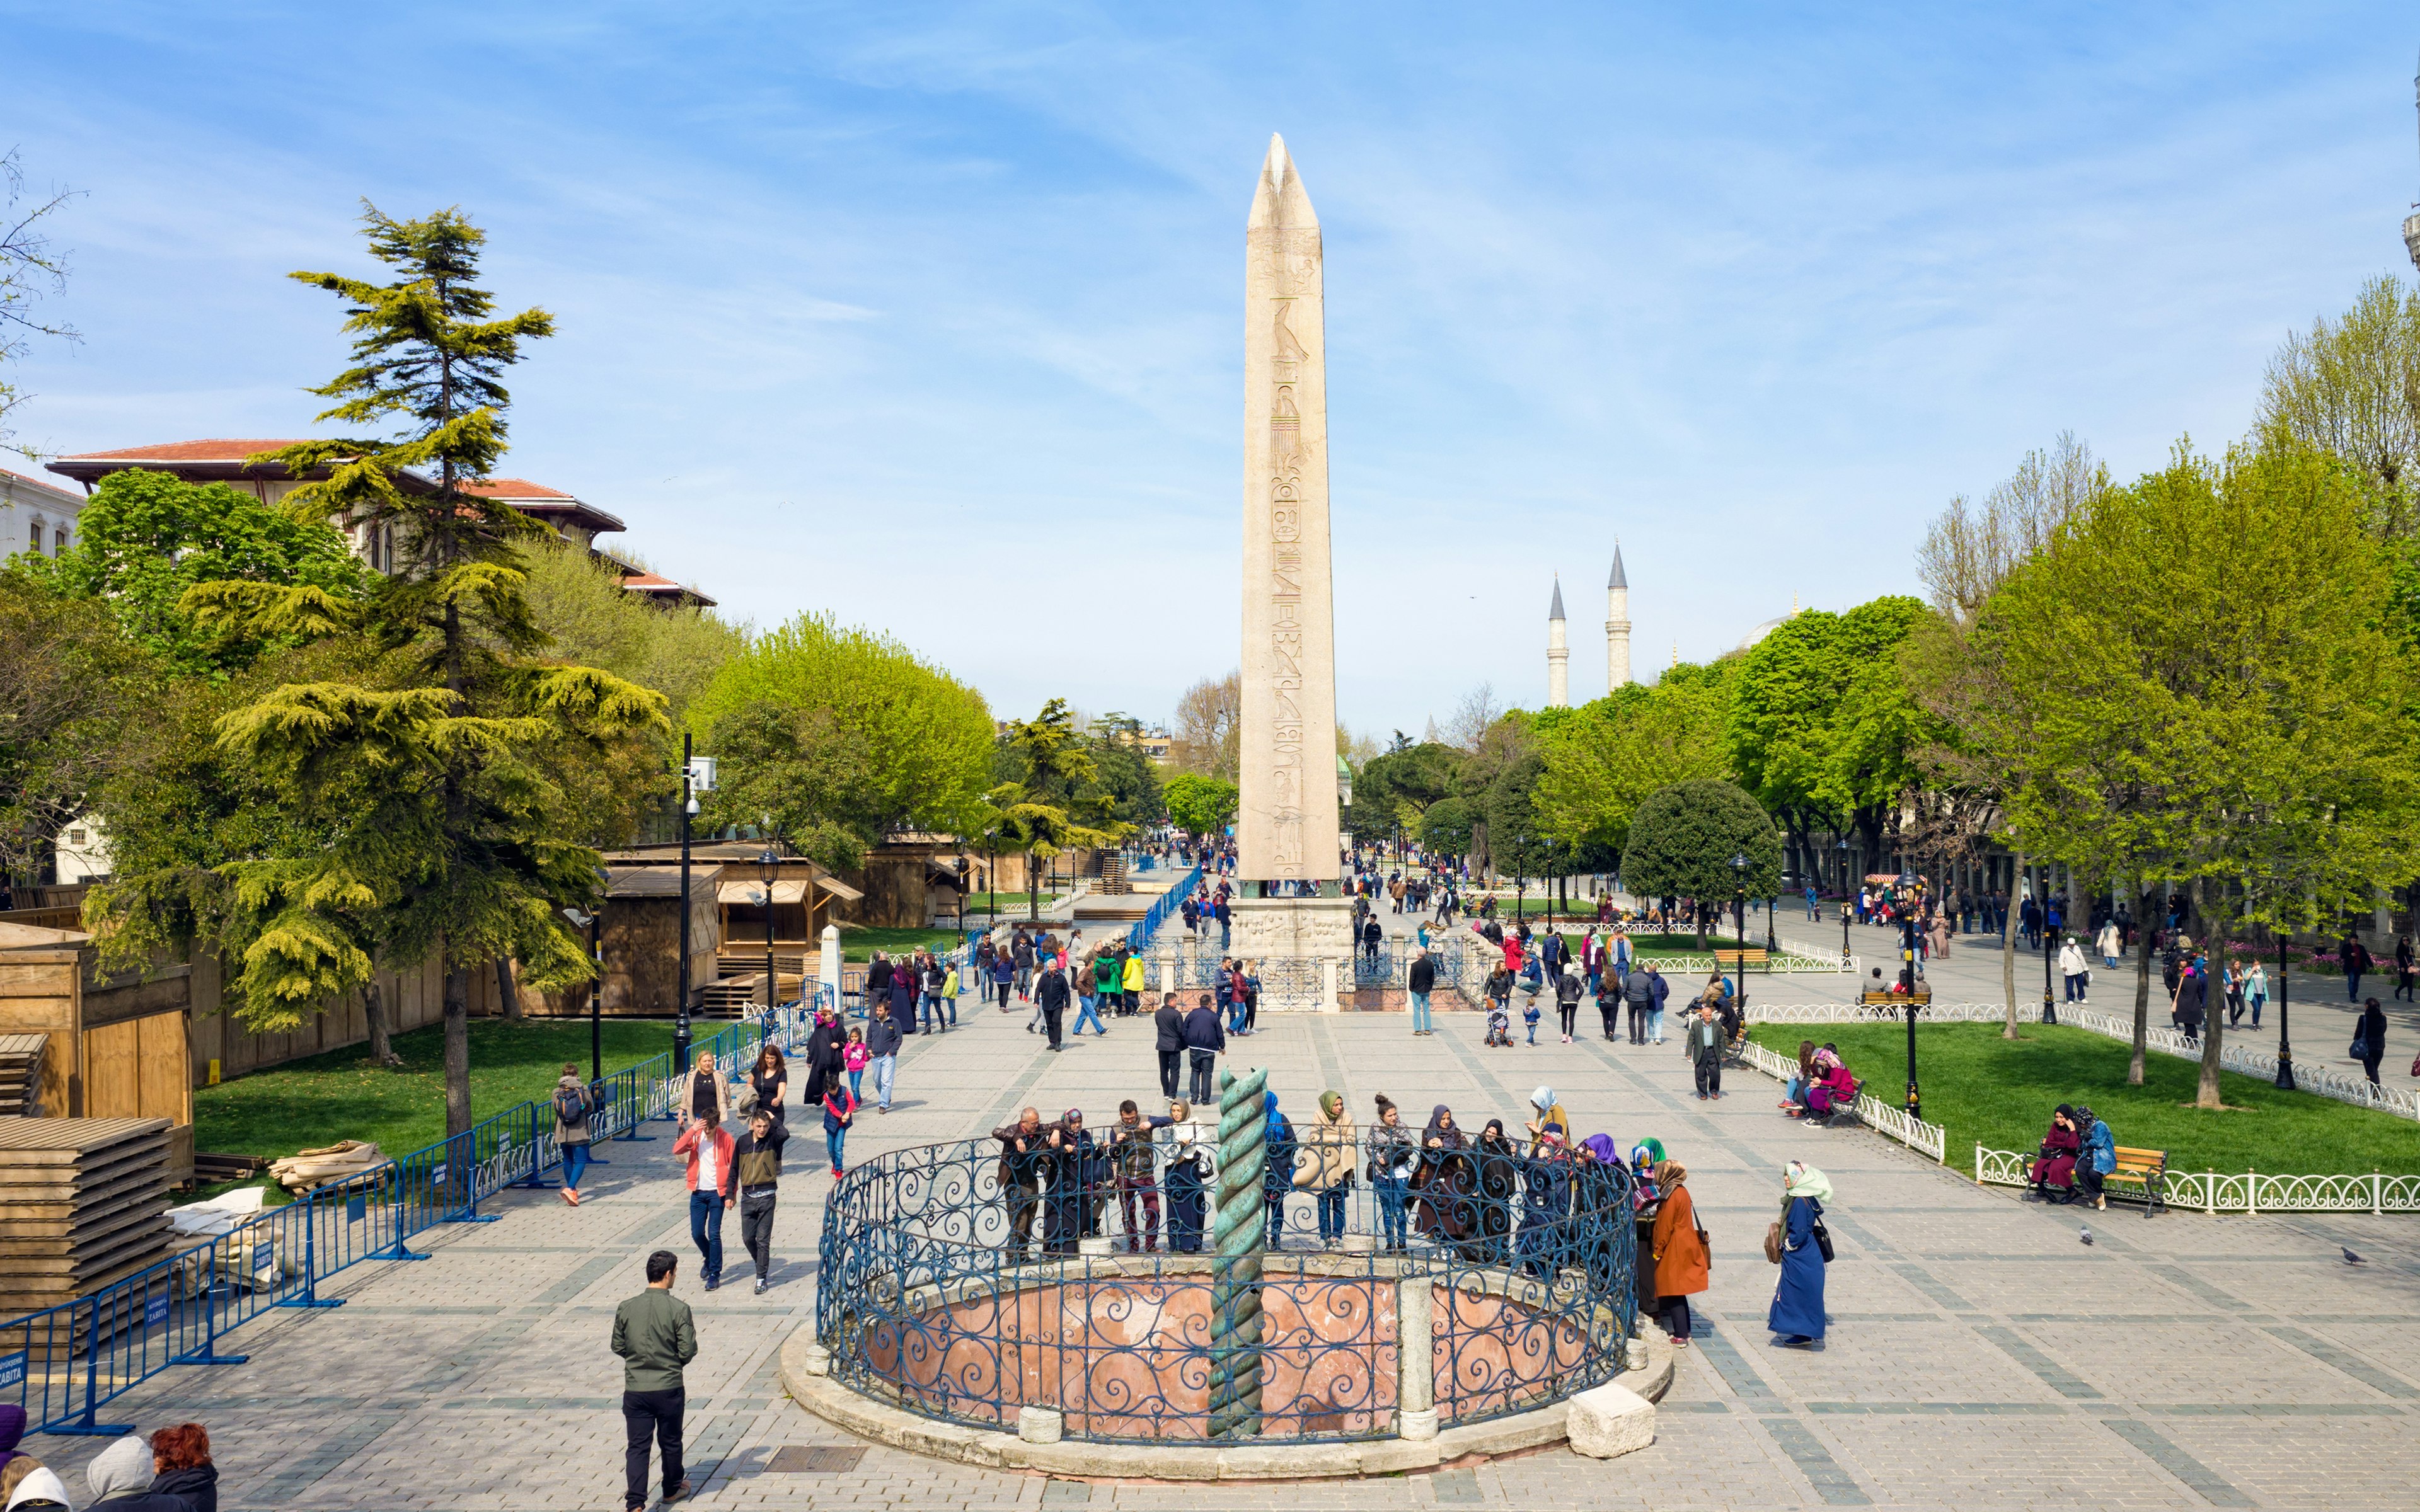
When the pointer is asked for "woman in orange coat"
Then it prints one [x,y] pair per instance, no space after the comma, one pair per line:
[1679,1251]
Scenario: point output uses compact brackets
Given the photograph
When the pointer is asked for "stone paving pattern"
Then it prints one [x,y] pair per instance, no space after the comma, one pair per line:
[1981,1355]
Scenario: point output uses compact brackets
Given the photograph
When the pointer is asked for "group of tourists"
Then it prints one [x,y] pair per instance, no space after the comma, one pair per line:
[168,1470]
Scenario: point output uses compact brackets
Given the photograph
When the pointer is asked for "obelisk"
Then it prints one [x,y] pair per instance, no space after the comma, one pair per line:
[1286,818]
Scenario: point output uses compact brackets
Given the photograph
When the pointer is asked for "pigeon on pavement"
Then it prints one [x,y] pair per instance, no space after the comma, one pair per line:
[2350,1259]
[2086,1233]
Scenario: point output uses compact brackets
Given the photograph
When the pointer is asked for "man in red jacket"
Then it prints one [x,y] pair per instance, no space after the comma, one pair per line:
[709,1149]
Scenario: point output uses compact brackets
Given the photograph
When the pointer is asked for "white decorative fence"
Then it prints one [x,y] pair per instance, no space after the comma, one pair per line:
[2234,1055]
[1925,1138]
[2248,1192]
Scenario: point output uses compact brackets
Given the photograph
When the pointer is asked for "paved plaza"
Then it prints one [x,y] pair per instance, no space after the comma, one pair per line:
[1981,1355]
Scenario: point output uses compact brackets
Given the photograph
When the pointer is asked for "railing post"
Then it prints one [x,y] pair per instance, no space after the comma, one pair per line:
[1416,1414]
[310,1297]
[2251,1191]
[2373,1191]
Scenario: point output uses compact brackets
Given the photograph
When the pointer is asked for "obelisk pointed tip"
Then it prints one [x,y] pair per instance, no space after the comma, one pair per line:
[1280,199]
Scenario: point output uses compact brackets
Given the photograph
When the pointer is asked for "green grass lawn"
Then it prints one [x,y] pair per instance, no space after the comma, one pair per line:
[303,1105]
[859,942]
[2000,1093]
[1009,906]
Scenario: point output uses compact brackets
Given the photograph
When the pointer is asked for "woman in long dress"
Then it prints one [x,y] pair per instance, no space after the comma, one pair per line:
[1798,1312]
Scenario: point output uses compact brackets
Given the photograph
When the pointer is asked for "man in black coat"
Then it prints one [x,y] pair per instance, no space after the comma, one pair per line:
[1169,1024]
[1204,1037]
[1051,993]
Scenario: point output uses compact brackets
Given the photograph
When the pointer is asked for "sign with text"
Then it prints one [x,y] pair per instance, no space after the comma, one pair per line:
[12,1369]
[155,1310]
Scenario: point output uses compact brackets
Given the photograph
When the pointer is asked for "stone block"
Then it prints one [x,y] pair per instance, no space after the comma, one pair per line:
[1416,1425]
[1609,1421]
[1094,1246]
[1047,1424]
[816,1360]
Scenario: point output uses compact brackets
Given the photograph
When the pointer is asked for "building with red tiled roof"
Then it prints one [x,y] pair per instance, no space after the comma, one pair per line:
[228,461]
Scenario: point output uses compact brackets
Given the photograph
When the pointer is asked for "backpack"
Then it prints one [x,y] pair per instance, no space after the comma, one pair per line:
[570,1104]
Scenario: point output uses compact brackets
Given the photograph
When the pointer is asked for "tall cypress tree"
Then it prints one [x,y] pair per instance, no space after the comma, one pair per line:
[429,769]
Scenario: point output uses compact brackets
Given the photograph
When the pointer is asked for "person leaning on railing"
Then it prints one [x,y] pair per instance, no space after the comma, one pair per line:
[1023,1148]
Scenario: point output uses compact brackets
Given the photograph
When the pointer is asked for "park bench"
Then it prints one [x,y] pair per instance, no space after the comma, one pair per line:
[1842,1112]
[1922,995]
[2145,1168]
[1742,959]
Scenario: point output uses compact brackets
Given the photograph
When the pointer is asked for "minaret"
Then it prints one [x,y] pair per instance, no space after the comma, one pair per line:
[1617,625]
[2412,221]
[1558,654]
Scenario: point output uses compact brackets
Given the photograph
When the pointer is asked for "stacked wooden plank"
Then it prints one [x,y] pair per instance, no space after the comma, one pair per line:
[83,1203]
[21,1064]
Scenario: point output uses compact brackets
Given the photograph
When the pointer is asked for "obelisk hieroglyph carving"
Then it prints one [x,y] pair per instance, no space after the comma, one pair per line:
[1286,819]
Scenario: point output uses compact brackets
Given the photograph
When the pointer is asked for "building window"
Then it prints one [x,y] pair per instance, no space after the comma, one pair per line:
[59,541]
[75,836]
[35,543]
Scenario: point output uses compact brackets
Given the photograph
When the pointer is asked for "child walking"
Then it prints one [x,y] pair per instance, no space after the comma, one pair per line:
[855,1057]
[840,1111]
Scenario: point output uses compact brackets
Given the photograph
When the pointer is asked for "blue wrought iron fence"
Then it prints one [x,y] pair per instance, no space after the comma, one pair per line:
[961,1282]
[64,1364]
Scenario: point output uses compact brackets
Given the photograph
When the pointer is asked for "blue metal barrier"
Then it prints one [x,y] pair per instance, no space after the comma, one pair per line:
[63,1363]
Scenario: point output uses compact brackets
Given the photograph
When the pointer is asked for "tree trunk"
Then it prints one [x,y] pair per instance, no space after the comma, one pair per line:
[2142,1001]
[507,993]
[458,1050]
[374,1014]
[2213,998]
[2009,962]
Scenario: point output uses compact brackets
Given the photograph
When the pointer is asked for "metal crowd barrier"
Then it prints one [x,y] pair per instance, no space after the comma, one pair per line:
[65,1363]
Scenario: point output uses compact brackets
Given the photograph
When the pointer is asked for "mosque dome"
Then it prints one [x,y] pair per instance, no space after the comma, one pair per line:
[1761,631]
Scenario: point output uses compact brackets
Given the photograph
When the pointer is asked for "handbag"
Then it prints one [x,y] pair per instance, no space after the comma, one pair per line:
[1824,1240]
[1772,1242]
[2359,1049]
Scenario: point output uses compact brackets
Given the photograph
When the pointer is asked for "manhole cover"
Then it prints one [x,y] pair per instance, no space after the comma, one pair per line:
[798,1460]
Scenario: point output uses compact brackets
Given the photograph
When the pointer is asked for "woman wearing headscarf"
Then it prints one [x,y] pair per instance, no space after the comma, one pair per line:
[1276,1179]
[1548,1110]
[1798,1312]
[2053,1168]
[1681,1256]
[1499,1172]
[1325,1170]
[1446,1182]
[1597,1208]
[1394,1155]
[1547,1204]
[1644,1157]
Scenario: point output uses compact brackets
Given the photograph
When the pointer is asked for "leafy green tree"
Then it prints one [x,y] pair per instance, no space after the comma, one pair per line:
[427,764]
[1201,806]
[1122,773]
[1446,825]
[578,604]
[1049,812]
[145,538]
[810,773]
[73,694]
[1605,760]
[1684,839]
[2351,388]
[914,743]
[2229,695]
[1393,790]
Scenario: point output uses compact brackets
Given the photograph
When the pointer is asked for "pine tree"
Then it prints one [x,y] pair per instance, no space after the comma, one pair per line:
[432,771]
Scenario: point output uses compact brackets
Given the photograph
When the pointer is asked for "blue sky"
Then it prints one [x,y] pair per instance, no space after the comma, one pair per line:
[930,316]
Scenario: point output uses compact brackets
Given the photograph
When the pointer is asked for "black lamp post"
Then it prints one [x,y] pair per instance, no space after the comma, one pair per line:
[1739,916]
[2285,1050]
[591,922]
[1845,909]
[2050,1010]
[770,865]
[680,1010]
[1915,1103]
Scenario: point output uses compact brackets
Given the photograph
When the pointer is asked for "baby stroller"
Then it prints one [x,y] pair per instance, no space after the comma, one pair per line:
[1499,1023]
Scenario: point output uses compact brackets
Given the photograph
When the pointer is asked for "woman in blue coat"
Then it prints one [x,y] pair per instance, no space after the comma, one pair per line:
[1797,1313]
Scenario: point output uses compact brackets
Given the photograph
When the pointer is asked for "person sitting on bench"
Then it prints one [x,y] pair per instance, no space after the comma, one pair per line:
[1834,1089]
[2053,1169]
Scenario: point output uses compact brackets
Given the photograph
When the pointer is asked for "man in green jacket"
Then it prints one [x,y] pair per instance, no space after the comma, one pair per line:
[655,1337]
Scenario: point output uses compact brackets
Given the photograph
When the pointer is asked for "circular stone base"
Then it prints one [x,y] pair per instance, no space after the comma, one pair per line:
[803,1377]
